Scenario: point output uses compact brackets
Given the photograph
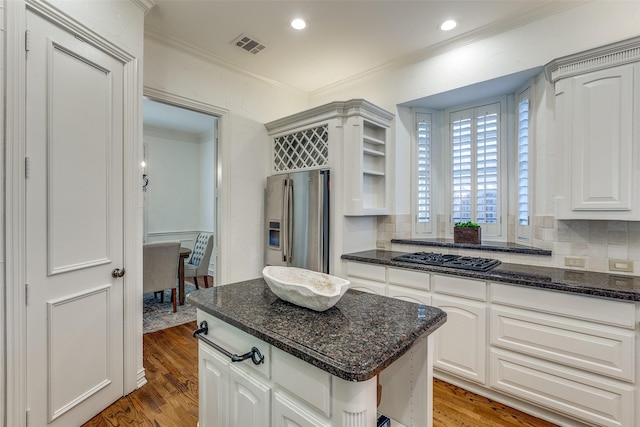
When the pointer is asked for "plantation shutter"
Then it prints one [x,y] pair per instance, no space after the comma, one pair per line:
[523,162]
[523,228]
[475,138]
[423,173]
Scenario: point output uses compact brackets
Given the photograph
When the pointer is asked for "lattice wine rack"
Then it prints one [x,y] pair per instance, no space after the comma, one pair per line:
[302,149]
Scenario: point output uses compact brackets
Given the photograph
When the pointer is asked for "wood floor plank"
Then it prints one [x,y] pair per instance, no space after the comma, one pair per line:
[170,398]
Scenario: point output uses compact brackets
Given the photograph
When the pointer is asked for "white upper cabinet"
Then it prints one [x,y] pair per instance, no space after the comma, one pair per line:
[366,164]
[350,137]
[597,97]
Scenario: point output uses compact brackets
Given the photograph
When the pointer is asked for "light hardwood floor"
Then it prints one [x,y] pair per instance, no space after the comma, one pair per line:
[170,399]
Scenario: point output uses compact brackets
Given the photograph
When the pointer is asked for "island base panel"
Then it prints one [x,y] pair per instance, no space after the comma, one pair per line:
[407,386]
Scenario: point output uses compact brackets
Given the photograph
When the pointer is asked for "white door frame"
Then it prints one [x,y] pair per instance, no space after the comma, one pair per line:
[220,203]
[15,207]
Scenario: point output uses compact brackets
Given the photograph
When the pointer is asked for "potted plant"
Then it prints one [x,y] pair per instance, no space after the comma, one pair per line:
[467,232]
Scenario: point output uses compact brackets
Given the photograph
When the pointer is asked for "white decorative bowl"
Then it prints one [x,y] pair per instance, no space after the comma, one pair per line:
[306,288]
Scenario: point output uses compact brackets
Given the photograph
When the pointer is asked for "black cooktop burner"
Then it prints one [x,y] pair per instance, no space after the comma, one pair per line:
[454,261]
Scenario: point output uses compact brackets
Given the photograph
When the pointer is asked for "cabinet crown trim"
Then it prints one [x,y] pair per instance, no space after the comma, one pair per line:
[336,109]
[620,53]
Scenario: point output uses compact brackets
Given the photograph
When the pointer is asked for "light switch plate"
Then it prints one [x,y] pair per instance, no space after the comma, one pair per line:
[621,265]
[572,261]
[380,244]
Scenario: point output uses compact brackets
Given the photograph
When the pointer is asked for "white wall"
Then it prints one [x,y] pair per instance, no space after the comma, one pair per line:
[173,193]
[179,199]
[207,169]
[243,144]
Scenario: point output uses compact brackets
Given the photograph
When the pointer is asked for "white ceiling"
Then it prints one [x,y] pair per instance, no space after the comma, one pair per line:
[343,39]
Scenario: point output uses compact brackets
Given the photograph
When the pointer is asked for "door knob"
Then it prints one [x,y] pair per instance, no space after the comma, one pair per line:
[117,272]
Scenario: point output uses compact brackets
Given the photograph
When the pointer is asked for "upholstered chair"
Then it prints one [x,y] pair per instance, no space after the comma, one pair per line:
[198,264]
[160,268]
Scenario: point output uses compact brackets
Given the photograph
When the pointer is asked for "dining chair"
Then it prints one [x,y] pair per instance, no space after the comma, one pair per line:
[160,268]
[198,264]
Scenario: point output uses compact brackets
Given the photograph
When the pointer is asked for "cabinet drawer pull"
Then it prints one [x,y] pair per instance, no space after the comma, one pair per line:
[254,354]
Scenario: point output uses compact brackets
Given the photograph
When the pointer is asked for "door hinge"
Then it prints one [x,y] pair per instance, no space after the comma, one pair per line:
[26,167]
[26,294]
[27,41]
[26,417]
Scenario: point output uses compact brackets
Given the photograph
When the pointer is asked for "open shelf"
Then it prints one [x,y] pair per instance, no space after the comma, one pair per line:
[371,152]
[372,140]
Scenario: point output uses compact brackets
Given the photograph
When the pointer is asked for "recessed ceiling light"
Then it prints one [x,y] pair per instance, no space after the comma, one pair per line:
[449,24]
[298,24]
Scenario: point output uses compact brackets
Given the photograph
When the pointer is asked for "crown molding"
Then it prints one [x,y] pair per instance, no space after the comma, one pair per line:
[611,55]
[482,33]
[145,5]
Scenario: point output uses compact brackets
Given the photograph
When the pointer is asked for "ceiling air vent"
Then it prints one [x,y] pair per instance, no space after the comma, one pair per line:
[249,44]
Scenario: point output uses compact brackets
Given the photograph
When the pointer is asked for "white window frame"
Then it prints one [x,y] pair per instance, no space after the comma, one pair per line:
[523,233]
[497,232]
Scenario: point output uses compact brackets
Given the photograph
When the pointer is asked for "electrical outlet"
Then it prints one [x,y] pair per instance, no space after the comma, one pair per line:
[571,261]
[380,244]
[621,265]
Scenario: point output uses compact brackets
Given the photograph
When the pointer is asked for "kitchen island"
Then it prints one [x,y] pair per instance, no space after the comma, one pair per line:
[319,368]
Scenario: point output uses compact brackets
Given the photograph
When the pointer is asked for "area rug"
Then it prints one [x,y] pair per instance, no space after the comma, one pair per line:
[158,315]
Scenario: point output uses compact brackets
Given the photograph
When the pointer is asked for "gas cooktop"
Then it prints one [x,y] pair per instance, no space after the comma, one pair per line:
[453,261]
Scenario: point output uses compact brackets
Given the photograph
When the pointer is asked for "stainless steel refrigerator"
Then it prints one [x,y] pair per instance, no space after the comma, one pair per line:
[297,220]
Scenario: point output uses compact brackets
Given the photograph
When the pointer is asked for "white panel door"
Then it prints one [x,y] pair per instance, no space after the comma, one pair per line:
[74,227]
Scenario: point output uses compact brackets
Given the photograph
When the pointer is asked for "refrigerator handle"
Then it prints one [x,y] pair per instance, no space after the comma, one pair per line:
[289,222]
[285,219]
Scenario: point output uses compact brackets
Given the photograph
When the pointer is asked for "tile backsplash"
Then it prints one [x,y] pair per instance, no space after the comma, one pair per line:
[593,243]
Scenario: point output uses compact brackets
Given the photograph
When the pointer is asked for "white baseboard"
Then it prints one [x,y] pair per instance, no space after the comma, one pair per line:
[141,378]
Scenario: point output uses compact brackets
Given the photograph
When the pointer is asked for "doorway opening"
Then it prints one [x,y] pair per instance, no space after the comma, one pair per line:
[180,169]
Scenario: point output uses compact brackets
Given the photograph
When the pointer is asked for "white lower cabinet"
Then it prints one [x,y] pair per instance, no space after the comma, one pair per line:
[228,396]
[594,348]
[570,358]
[249,400]
[366,278]
[460,344]
[408,285]
[213,388]
[288,413]
[573,392]
[573,354]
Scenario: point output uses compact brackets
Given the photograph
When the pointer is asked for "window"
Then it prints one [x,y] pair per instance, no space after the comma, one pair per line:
[523,118]
[422,172]
[476,189]
[460,171]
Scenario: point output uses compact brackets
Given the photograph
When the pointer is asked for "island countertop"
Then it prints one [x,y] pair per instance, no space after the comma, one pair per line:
[354,340]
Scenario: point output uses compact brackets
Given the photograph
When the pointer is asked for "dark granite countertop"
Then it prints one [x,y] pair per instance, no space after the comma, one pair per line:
[354,340]
[484,246]
[601,285]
